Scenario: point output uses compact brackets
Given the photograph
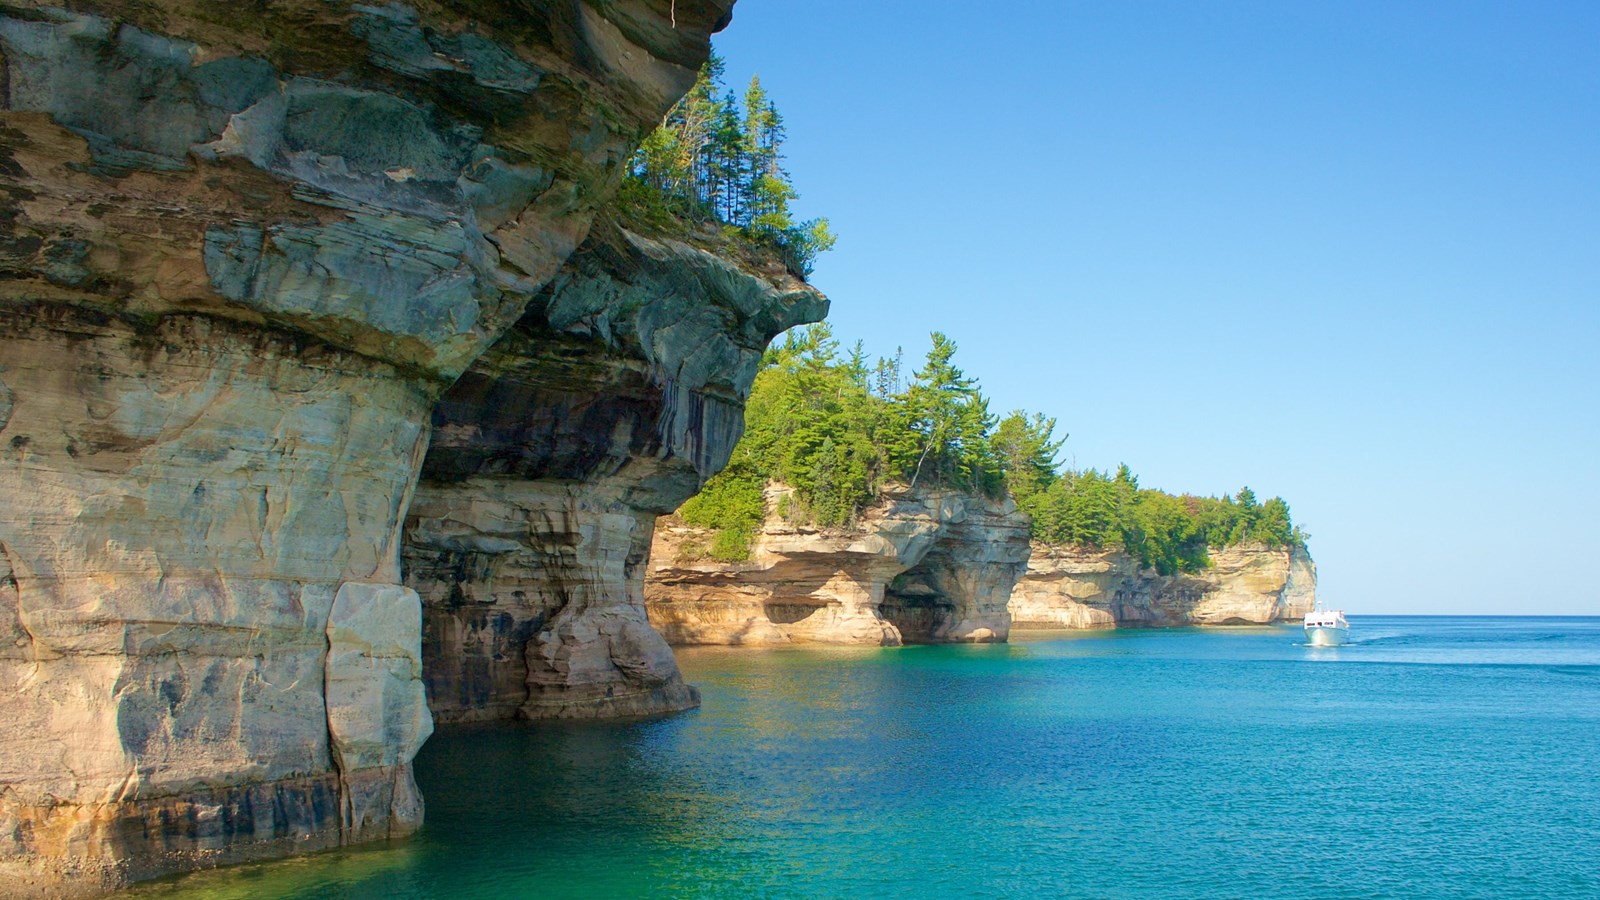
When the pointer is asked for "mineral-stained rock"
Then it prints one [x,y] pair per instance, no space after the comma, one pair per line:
[619,392]
[1247,584]
[960,590]
[1300,592]
[377,708]
[246,247]
[186,506]
[923,565]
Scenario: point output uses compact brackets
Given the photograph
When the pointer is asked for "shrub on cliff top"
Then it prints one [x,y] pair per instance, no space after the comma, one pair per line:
[734,506]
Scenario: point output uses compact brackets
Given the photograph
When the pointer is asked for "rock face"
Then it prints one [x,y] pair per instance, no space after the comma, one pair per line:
[613,399]
[246,249]
[1248,584]
[922,566]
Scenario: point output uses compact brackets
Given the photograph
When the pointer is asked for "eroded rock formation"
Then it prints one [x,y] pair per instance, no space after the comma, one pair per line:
[1247,584]
[246,249]
[924,566]
[613,399]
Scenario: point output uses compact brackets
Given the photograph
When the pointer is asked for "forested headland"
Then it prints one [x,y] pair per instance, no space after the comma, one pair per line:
[836,428]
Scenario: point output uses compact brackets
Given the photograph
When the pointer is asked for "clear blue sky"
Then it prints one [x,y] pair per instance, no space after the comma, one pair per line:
[1346,253]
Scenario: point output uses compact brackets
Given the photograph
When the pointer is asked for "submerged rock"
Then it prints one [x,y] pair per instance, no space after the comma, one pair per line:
[924,565]
[1247,584]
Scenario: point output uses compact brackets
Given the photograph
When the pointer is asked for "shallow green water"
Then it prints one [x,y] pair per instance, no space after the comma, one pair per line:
[1432,758]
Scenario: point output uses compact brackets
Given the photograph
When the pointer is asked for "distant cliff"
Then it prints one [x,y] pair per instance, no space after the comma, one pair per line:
[1246,584]
[925,565]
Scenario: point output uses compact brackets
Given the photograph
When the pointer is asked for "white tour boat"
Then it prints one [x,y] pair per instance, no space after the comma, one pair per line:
[1326,627]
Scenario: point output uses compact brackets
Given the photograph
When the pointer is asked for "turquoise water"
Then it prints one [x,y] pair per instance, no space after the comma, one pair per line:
[1431,758]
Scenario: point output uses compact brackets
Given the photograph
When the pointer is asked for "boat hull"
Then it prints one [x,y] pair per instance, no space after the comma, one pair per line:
[1326,635]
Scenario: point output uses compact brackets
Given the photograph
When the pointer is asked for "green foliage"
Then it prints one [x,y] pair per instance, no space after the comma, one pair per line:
[718,159]
[835,429]
[732,544]
[732,503]
[1027,451]
[1168,533]
[948,425]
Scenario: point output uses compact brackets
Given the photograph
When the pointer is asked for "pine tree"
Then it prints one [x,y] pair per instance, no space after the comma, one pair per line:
[950,416]
[707,160]
[727,159]
[856,366]
[1027,452]
[761,178]
[819,421]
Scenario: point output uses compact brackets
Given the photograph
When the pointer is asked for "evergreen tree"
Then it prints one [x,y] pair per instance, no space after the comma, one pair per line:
[886,379]
[718,158]
[728,161]
[1027,451]
[819,421]
[951,419]
[769,192]
[856,366]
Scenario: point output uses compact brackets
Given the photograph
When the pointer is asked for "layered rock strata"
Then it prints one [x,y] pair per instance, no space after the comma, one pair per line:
[1247,584]
[613,399]
[246,248]
[920,566]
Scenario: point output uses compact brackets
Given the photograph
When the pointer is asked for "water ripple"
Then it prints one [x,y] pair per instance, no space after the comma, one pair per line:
[1437,758]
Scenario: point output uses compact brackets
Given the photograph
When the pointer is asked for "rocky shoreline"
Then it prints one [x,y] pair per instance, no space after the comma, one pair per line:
[942,567]
[1247,584]
[925,565]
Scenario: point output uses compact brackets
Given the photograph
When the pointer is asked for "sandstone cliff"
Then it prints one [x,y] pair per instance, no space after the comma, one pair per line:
[924,566]
[247,247]
[1247,584]
[613,399]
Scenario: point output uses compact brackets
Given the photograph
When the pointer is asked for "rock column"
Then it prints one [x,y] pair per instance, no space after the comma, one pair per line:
[201,532]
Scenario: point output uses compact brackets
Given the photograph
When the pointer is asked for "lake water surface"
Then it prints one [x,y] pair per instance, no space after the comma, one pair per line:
[1433,757]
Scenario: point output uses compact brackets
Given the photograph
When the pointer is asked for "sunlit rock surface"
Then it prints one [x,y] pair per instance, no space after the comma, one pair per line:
[247,246]
[924,565]
[1247,584]
[618,393]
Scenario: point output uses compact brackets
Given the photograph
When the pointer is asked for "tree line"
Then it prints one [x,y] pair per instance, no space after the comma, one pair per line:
[1089,508]
[718,158]
[835,429]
